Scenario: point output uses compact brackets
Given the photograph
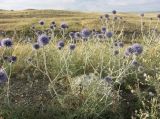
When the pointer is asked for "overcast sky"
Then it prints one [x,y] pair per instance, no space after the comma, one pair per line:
[83,5]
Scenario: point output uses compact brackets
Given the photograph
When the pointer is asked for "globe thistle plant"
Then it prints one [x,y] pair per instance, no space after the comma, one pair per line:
[33,27]
[158,16]
[60,44]
[12,59]
[121,44]
[93,30]
[109,34]
[106,16]
[103,29]
[129,51]
[39,32]
[43,40]
[64,26]
[116,52]
[72,47]
[120,18]
[53,22]
[71,34]
[115,18]
[114,12]
[7,42]
[100,36]
[115,43]
[3,76]
[36,46]
[137,48]
[108,79]
[85,33]
[101,17]
[41,22]
[142,14]
[134,63]
[5,58]
[77,35]
[52,26]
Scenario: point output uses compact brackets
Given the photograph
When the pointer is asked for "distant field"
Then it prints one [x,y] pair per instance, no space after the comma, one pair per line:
[11,20]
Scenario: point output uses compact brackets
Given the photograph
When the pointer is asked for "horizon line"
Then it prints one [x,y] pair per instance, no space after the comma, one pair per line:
[121,11]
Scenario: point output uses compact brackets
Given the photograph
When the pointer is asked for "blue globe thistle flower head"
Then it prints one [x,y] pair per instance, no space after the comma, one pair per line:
[3,76]
[100,17]
[120,18]
[129,51]
[85,33]
[72,46]
[109,34]
[50,38]
[52,27]
[142,14]
[93,30]
[41,22]
[43,40]
[115,18]
[36,46]
[137,49]
[121,44]
[7,42]
[114,12]
[60,44]
[134,63]
[64,26]
[77,35]
[53,22]
[5,58]
[39,32]
[55,25]
[115,43]
[12,59]
[100,36]
[103,29]
[106,16]
[108,79]
[158,16]
[33,27]
[71,34]
[116,52]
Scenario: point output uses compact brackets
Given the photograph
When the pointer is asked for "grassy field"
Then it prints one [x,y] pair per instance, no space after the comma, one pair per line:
[21,21]
[94,79]
[11,20]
